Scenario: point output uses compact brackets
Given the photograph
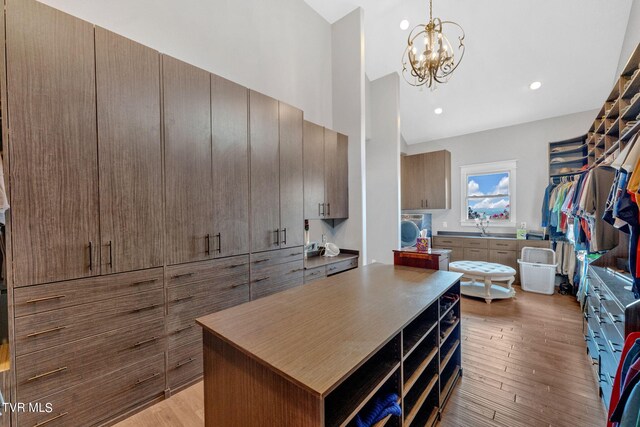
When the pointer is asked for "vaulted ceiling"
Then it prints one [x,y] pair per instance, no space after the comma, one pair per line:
[571,46]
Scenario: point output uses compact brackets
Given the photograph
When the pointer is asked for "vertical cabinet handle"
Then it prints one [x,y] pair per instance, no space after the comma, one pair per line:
[219,237]
[277,234]
[90,256]
[110,254]
[284,236]
[328,209]
[208,241]
[422,203]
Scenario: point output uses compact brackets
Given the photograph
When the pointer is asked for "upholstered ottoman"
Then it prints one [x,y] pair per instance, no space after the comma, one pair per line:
[486,273]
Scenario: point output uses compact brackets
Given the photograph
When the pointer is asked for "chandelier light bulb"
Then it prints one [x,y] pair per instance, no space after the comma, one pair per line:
[438,111]
[404,24]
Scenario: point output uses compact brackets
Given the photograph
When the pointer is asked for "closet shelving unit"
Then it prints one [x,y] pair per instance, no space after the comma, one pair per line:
[568,156]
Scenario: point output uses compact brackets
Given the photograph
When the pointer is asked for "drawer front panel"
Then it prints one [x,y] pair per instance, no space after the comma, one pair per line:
[54,296]
[503,245]
[448,242]
[341,266]
[280,256]
[48,371]
[471,254]
[185,364]
[315,274]
[275,279]
[457,254]
[44,330]
[475,243]
[592,346]
[95,401]
[206,271]
[507,258]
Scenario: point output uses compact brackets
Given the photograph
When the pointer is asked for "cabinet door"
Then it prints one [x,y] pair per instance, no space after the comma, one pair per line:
[188,181]
[330,171]
[413,183]
[54,150]
[229,120]
[341,208]
[508,258]
[313,142]
[437,177]
[291,176]
[472,254]
[130,153]
[265,172]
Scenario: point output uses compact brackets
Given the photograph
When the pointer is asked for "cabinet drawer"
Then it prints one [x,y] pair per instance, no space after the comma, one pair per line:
[508,258]
[44,330]
[341,266]
[52,296]
[206,271]
[276,257]
[471,254]
[315,274]
[278,278]
[475,243]
[184,364]
[533,244]
[448,242]
[457,254]
[503,245]
[94,401]
[48,371]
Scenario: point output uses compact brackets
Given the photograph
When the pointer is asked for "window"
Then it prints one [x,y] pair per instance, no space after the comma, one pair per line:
[488,190]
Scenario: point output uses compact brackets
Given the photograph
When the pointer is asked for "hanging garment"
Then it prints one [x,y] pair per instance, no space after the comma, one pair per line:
[603,236]
[4,201]
[545,205]
[630,345]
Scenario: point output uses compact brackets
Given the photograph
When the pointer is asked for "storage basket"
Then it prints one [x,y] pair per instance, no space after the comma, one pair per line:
[538,270]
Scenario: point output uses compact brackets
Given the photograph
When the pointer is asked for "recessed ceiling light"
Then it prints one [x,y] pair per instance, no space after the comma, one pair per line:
[535,85]
[404,24]
[438,110]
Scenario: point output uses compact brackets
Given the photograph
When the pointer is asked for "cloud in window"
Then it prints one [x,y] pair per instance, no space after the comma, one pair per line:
[473,189]
[502,187]
[491,204]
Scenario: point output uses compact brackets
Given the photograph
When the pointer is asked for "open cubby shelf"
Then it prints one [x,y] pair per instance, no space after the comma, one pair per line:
[390,386]
[343,403]
[414,368]
[454,373]
[448,354]
[448,331]
[419,328]
[448,309]
[415,400]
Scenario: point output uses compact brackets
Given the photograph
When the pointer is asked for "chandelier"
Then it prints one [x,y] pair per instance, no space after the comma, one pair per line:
[429,57]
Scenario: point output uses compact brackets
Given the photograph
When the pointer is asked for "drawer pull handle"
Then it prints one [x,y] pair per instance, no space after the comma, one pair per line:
[236,265]
[615,318]
[501,244]
[239,285]
[46,331]
[144,282]
[62,414]
[180,276]
[261,280]
[296,270]
[185,362]
[614,347]
[150,377]
[261,260]
[46,374]
[188,297]
[35,300]
[149,307]
[143,342]
[296,254]
[184,328]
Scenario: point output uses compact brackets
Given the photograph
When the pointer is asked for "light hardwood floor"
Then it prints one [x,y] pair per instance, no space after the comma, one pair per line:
[524,361]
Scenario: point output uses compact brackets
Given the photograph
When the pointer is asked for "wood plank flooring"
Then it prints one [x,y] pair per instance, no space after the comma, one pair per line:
[524,361]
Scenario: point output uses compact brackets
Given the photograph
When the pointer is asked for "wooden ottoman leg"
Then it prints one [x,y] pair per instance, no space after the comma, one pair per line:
[487,289]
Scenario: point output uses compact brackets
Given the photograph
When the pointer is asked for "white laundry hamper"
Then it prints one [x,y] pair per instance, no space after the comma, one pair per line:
[538,270]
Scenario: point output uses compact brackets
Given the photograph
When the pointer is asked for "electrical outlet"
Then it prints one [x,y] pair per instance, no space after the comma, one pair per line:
[444,224]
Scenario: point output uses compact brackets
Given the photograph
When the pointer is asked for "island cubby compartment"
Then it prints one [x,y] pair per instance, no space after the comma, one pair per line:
[391,386]
[449,348]
[420,358]
[421,387]
[421,404]
[449,300]
[449,374]
[346,400]
[419,328]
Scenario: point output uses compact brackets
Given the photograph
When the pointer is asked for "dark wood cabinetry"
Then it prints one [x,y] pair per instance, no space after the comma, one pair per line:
[291,177]
[188,179]
[54,175]
[426,180]
[326,173]
[265,172]
[130,153]
[229,120]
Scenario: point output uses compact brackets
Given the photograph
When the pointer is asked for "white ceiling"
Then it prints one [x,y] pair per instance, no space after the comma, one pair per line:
[571,46]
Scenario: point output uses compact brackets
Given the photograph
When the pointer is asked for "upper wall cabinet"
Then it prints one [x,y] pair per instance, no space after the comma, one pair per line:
[130,153]
[229,120]
[54,150]
[265,172]
[426,180]
[326,173]
[188,162]
[291,177]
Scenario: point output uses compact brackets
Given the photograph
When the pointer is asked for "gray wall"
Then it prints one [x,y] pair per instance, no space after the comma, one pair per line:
[527,143]
[632,36]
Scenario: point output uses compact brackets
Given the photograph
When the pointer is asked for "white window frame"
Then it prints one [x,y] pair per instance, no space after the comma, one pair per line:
[509,166]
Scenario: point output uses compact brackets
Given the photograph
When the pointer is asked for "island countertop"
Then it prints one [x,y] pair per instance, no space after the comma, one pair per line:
[317,334]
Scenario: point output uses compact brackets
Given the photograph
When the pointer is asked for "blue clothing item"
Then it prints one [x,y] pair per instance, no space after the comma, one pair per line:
[631,357]
[545,205]
[380,409]
[631,415]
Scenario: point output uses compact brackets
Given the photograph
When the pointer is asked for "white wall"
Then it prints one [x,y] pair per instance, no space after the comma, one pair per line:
[281,48]
[383,170]
[632,36]
[527,143]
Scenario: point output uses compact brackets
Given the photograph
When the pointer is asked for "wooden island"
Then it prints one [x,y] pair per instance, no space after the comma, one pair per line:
[317,354]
